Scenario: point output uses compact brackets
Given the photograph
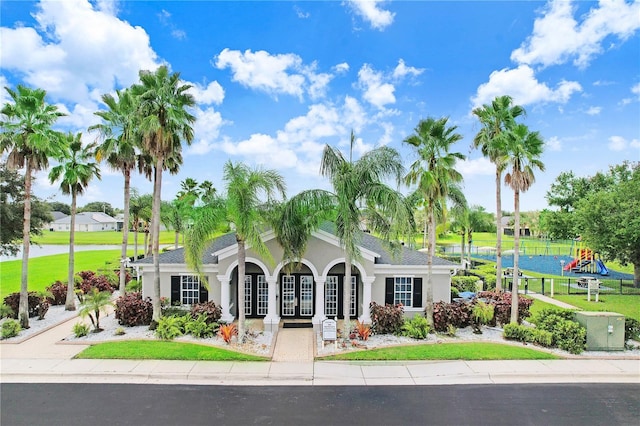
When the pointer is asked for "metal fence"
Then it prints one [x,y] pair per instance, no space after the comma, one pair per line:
[548,286]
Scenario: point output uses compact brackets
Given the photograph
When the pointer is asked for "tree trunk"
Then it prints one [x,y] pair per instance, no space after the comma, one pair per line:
[431,250]
[70,303]
[424,233]
[135,239]
[470,240]
[346,298]
[125,232]
[177,240]
[23,307]
[499,231]
[636,275]
[462,246]
[516,255]
[155,228]
[242,256]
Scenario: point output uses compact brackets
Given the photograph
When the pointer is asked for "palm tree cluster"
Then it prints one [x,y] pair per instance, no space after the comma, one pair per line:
[144,127]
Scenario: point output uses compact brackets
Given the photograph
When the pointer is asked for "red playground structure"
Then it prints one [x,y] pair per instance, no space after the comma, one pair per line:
[587,261]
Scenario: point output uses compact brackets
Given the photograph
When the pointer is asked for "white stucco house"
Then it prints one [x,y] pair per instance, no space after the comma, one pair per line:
[86,222]
[313,292]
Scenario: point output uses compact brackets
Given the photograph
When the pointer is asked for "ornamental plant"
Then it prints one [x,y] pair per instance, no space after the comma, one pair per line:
[227,331]
[481,314]
[37,304]
[363,330]
[502,306]
[416,328]
[209,309]
[457,314]
[132,310]
[386,319]
[199,327]
[93,304]
[170,327]
[57,293]
[10,328]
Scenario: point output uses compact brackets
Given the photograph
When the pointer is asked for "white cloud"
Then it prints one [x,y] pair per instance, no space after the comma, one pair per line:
[376,91]
[370,11]
[594,110]
[402,70]
[558,37]
[206,130]
[300,13]
[603,83]
[636,90]
[618,143]
[341,68]
[165,19]
[80,117]
[274,74]
[553,144]
[4,96]
[477,167]
[386,138]
[212,94]
[86,50]
[521,84]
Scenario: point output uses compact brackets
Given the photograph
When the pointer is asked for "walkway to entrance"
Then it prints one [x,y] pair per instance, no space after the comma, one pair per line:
[294,345]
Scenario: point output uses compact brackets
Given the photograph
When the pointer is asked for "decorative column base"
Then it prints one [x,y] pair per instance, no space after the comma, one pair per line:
[271,323]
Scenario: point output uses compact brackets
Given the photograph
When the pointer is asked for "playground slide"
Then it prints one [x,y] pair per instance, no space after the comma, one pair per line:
[602,270]
[571,264]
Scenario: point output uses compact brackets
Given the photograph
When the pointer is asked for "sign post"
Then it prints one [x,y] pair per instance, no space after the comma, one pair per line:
[330,332]
[593,286]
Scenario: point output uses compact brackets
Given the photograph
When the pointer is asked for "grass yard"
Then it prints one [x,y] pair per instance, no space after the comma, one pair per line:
[141,349]
[98,238]
[43,271]
[629,306]
[446,351]
[539,305]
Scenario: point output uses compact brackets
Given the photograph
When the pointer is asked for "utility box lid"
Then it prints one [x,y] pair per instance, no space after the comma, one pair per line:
[598,314]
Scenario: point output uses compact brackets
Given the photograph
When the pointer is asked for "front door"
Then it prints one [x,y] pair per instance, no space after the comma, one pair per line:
[297,296]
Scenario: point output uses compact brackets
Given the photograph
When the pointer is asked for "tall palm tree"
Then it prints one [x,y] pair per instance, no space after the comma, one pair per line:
[74,172]
[497,120]
[30,142]
[207,190]
[436,178]
[354,183]
[522,159]
[164,124]
[120,148]
[244,208]
[462,227]
[140,208]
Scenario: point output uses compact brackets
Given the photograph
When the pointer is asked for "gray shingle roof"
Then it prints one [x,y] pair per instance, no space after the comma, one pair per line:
[87,218]
[405,256]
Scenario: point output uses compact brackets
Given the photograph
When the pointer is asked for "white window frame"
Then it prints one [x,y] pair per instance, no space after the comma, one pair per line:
[263,295]
[403,286]
[188,294]
[247,295]
[331,296]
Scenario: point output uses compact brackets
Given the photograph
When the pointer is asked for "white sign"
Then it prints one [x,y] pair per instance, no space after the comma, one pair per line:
[329,330]
[593,287]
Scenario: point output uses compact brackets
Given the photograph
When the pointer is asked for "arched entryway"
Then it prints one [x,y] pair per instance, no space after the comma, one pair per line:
[256,291]
[297,293]
[334,292]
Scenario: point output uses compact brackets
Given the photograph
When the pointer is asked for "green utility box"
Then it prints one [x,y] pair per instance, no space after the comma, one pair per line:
[605,330]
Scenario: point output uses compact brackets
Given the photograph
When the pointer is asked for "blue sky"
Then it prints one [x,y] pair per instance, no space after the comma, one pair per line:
[276,81]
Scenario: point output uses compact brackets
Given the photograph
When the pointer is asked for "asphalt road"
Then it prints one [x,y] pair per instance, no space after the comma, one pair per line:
[114,404]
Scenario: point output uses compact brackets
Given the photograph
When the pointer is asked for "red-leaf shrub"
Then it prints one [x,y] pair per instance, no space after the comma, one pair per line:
[38,305]
[502,303]
[457,314]
[90,280]
[127,276]
[209,308]
[132,310]
[58,293]
[387,319]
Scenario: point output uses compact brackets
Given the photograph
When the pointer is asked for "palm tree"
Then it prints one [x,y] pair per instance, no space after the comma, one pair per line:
[140,208]
[462,227]
[92,304]
[28,138]
[246,212]
[164,124]
[74,173]
[522,158]
[207,191]
[497,120]
[120,149]
[388,213]
[437,180]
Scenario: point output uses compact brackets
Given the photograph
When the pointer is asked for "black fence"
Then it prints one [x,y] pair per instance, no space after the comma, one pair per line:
[572,285]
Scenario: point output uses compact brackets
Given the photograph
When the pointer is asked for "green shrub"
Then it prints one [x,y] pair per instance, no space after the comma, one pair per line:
[543,337]
[566,314]
[38,305]
[481,314]
[199,327]
[80,329]
[416,328]
[457,314]
[132,310]
[10,328]
[567,334]
[133,286]
[522,333]
[451,330]
[170,327]
[454,293]
[119,331]
[6,311]
[209,309]
[386,319]
[462,283]
[502,303]
[58,293]
[631,329]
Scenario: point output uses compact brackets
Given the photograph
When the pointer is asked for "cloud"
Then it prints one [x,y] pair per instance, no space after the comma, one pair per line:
[370,11]
[165,19]
[636,90]
[274,74]
[300,13]
[206,131]
[553,144]
[521,84]
[4,96]
[376,91]
[402,70]
[594,110]
[477,167]
[558,37]
[212,94]
[618,143]
[341,68]
[82,52]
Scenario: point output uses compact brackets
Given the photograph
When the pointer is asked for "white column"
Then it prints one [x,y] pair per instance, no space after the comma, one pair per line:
[319,316]
[272,311]
[366,299]
[224,299]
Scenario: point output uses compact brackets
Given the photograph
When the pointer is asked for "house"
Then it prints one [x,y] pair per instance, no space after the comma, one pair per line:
[313,291]
[86,222]
[56,216]
[508,227]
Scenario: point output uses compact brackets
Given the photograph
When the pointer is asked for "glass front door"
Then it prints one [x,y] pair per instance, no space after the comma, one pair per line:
[297,296]
[289,300]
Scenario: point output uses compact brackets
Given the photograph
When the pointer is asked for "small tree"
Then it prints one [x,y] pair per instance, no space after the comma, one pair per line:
[94,303]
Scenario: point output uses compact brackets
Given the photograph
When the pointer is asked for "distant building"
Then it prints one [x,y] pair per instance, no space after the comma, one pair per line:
[508,227]
[56,216]
[86,222]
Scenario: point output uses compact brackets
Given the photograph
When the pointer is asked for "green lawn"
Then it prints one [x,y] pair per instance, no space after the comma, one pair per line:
[141,349]
[43,271]
[539,305]
[629,306]
[99,238]
[446,351]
